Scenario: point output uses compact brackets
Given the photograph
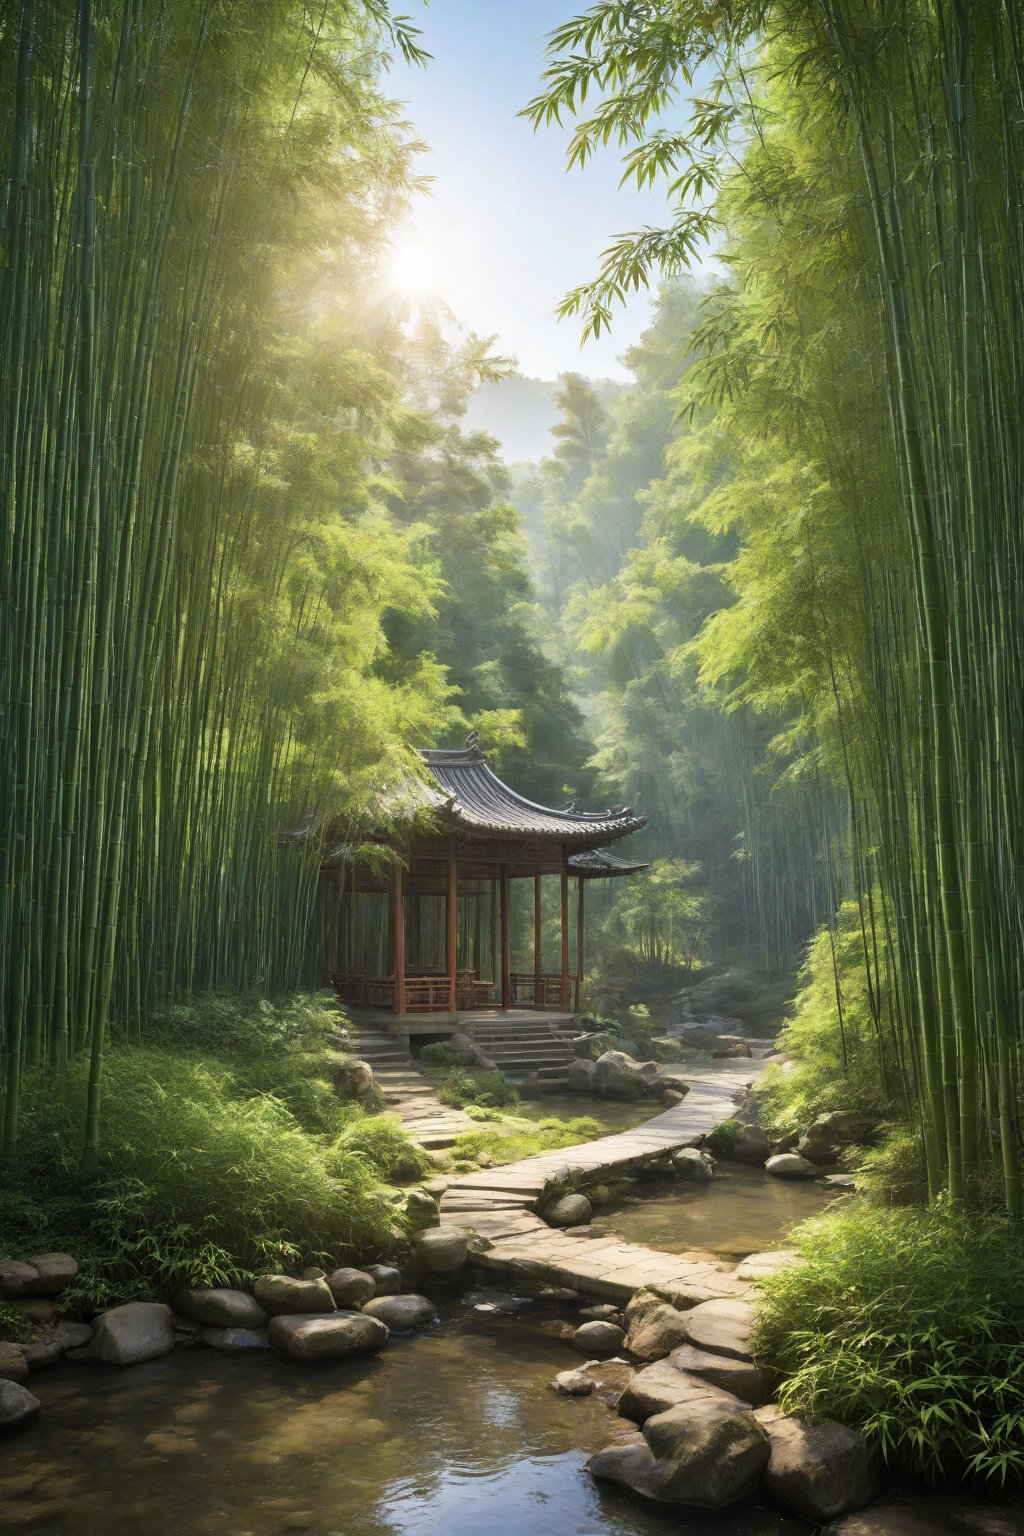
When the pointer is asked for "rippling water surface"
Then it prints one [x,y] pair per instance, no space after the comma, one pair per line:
[450,1433]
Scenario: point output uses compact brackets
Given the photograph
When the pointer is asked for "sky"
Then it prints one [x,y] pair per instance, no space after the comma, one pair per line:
[505,230]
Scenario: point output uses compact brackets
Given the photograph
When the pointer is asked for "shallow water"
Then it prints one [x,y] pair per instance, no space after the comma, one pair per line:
[450,1433]
[740,1211]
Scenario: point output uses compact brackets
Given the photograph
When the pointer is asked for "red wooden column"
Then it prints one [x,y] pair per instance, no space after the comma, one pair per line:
[506,964]
[565,930]
[580,932]
[452,938]
[538,976]
[399,925]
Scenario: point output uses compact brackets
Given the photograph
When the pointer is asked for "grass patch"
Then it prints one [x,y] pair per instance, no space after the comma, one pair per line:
[518,1138]
[909,1325]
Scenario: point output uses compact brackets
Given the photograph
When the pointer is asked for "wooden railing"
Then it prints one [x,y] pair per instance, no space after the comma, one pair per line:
[548,995]
[423,994]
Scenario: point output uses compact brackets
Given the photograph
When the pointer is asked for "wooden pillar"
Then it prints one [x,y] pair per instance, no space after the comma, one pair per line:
[506,965]
[399,922]
[493,924]
[580,933]
[452,937]
[477,930]
[538,966]
[565,931]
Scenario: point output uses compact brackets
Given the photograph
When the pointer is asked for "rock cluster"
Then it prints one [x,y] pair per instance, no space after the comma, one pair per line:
[708,1437]
[314,1316]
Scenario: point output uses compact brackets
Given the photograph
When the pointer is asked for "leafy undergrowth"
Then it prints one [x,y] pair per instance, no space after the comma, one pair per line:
[908,1324]
[206,1176]
[516,1138]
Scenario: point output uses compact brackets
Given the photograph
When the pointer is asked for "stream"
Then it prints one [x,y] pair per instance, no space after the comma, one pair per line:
[452,1432]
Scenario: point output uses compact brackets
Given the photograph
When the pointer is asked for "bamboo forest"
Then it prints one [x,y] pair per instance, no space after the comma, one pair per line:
[511,741]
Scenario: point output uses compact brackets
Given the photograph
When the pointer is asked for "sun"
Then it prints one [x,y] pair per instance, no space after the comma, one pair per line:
[411,269]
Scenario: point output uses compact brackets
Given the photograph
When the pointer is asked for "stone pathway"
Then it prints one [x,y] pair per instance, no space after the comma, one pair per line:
[407,1093]
[499,1204]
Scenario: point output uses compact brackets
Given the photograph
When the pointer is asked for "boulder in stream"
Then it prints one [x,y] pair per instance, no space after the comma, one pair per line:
[351,1287]
[569,1211]
[17,1279]
[16,1405]
[386,1278]
[598,1340]
[692,1163]
[402,1313]
[707,1454]
[619,1076]
[220,1307]
[442,1250]
[327,1335]
[657,1332]
[742,1378]
[790,1165]
[235,1339]
[581,1075]
[819,1470]
[55,1270]
[130,1334]
[13,1364]
[283,1295]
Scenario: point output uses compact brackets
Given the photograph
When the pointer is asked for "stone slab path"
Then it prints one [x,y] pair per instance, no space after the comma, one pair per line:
[407,1093]
[499,1204]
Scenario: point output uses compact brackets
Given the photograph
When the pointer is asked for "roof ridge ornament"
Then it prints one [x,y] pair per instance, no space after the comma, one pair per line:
[473,741]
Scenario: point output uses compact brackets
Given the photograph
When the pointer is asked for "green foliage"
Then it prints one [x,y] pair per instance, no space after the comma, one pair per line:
[198,1181]
[723,1138]
[294,1049]
[908,1325]
[14,1326]
[838,1050]
[523,1138]
[894,1172]
[386,1147]
[435,1055]
[488,1089]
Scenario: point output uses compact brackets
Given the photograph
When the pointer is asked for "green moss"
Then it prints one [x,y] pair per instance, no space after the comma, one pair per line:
[517,1138]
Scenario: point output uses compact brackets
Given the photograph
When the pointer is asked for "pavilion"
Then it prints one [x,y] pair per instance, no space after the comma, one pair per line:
[430,933]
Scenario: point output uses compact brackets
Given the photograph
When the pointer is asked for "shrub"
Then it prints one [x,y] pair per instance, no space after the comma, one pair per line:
[435,1055]
[894,1172]
[723,1138]
[488,1089]
[385,1146]
[294,1048]
[909,1325]
[195,1185]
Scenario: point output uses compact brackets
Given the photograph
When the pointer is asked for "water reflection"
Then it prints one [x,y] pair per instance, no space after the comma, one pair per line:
[742,1210]
[451,1432]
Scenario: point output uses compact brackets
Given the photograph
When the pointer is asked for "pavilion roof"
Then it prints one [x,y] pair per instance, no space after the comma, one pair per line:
[471,798]
[597,864]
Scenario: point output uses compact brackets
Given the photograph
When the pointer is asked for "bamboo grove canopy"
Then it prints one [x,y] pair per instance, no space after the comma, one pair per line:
[434,935]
